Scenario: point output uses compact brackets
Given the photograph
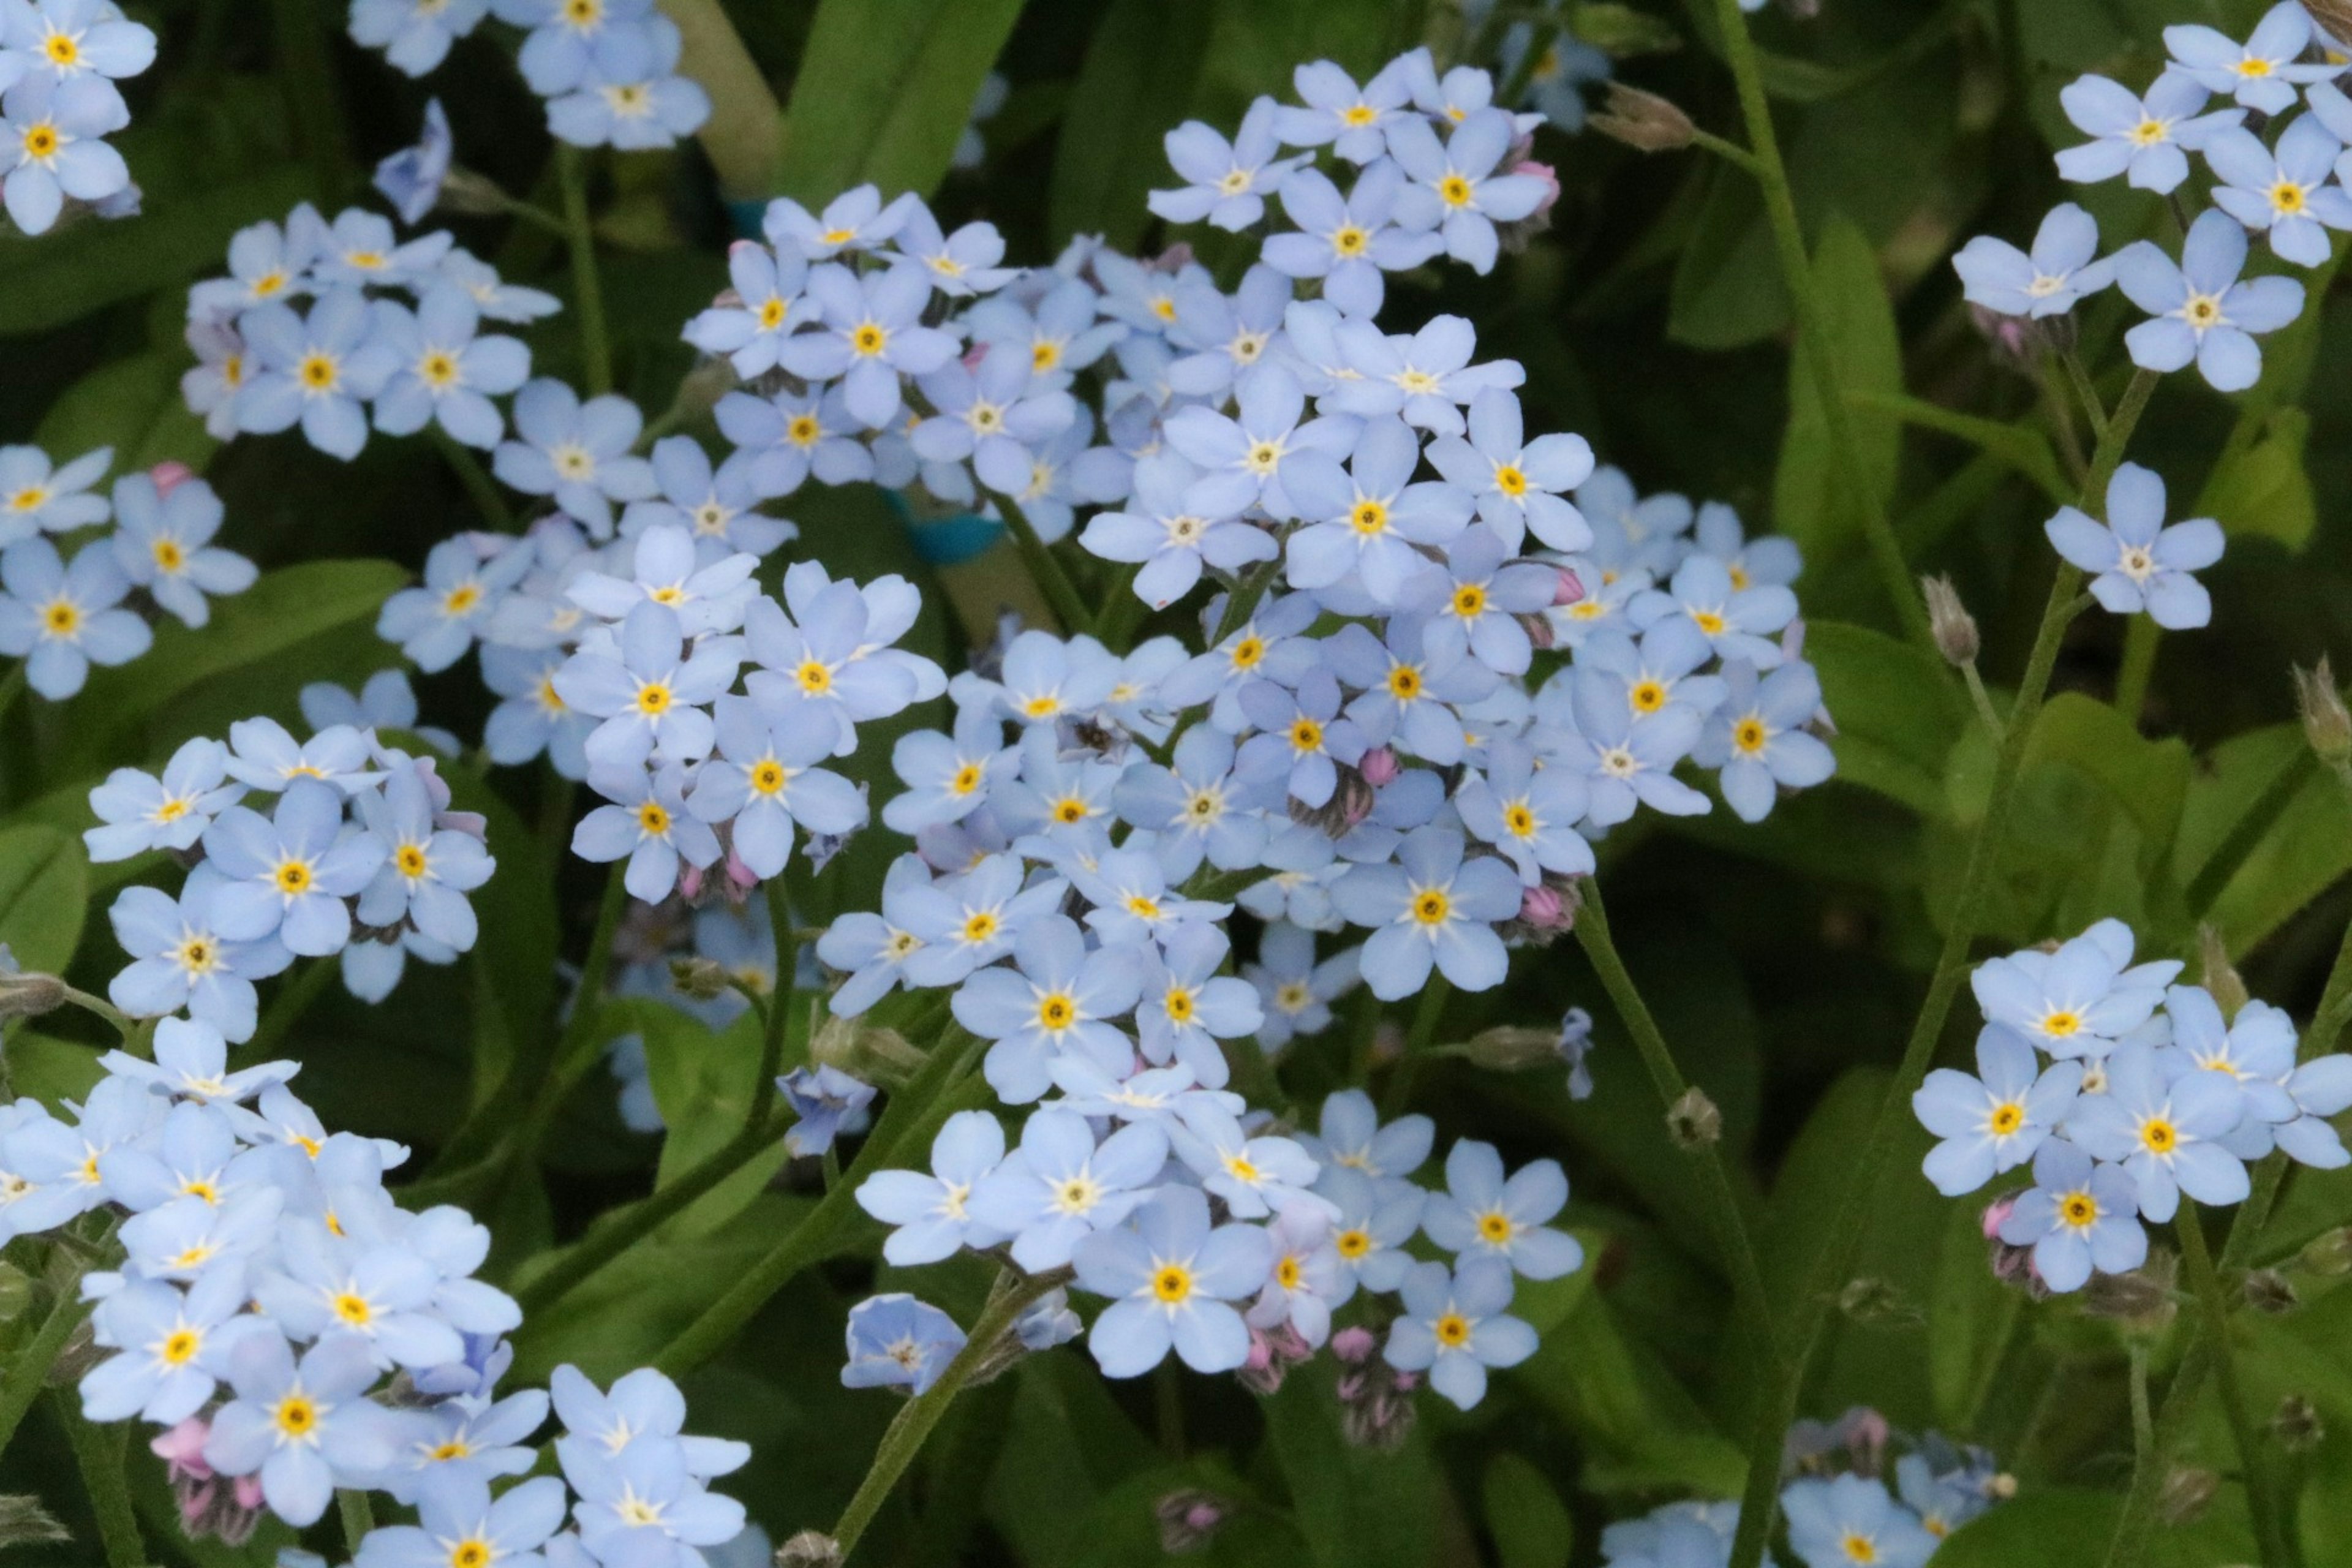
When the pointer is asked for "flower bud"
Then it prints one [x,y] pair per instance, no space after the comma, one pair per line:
[25,995]
[2325,723]
[1507,1048]
[1693,1121]
[700,979]
[1188,1520]
[1354,1346]
[2186,1493]
[169,476]
[689,881]
[867,1053]
[2218,976]
[24,1522]
[1376,1409]
[1380,767]
[1272,1353]
[809,1549]
[1955,629]
[2297,1426]
[467,191]
[2326,1255]
[1569,588]
[1642,119]
[2268,1290]
[2141,1302]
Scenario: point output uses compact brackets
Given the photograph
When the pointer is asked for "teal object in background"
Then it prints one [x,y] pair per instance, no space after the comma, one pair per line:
[948,540]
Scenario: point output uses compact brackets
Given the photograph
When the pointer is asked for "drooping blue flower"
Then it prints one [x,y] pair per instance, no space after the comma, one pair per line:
[2076,1217]
[35,498]
[315,370]
[829,1103]
[2202,310]
[62,619]
[1455,1327]
[2263,72]
[1171,1279]
[648,824]
[411,178]
[304,1427]
[1225,181]
[2059,274]
[447,374]
[1996,1120]
[898,1341]
[2285,191]
[1062,1184]
[1840,1521]
[2147,138]
[578,453]
[2140,565]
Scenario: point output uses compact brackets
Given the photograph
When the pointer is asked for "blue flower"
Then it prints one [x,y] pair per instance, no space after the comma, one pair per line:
[359,250]
[643,1410]
[429,868]
[1068,471]
[1349,242]
[35,498]
[1056,1002]
[828,1101]
[51,146]
[751,328]
[764,779]
[2140,565]
[2321,1088]
[289,875]
[139,812]
[717,507]
[1364,524]
[1424,378]
[2076,1217]
[1060,1185]
[1132,902]
[1627,757]
[947,778]
[933,1214]
[1171,544]
[1253,1176]
[1678,1535]
[446,374]
[499,301]
[411,178]
[168,1349]
[994,414]
[1296,990]
[898,1341]
[1527,814]
[1225,181]
[1244,456]
[1517,481]
[640,101]
[2078,1001]
[266,262]
[1350,1136]
[873,332]
[2058,275]
[1430,908]
[1943,1503]
[1455,1327]
[650,692]
[1056,337]
[1480,1214]
[1170,1278]
[643,1505]
[2262,73]
[1757,737]
[306,1428]
[856,220]
[1186,1006]
[436,624]
[664,567]
[1846,1520]
[533,717]
[1411,689]
[792,435]
[961,264]
[1195,809]
[1353,121]
[470,1436]
[314,370]
[576,452]
[66,39]
[816,657]
[2167,1135]
[385,702]
[2147,138]
[164,545]
[2284,191]
[65,618]
[1996,1120]
[2202,311]
[180,960]
[1456,187]
[458,1523]
[1375,1219]
[414,36]
[648,823]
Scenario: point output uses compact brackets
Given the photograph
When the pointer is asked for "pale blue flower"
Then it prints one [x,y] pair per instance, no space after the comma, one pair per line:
[1455,1327]
[163,544]
[336,1287]
[872,333]
[1132,902]
[1171,544]
[1195,809]
[1186,1006]
[764,779]
[138,812]
[1758,738]
[411,178]
[469,1436]
[664,566]
[1846,1520]
[828,1102]
[1480,1214]
[498,300]
[1056,335]
[2077,1216]
[385,702]
[1353,121]
[792,435]
[858,219]
[35,498]
[2263,72]
[1626,757]
[2059,274]
[264,755]
[642,1410]
[1455,188]
[1170,1278]
[464,585]
[1526,813]
[52,146]
[2078,1001]
[266,262]
[180,960]
[305,1427]
[1430,908]
[750,328]
[1679,1535]
[2147,138]
[2140,565]
[2165,1135]
[1996,1120]
[651,691]
[66,39]
[994,414]
[456,1516]
[1056,1002]
[1425,378]
[2283,191]
[1061,1185]
[533,717]
[447,374]
[648,824]
[1943,1503]
[1225,181]
[1517,482]
[168,1344]
[578,453]
[717,506]
[931,1216]
[1738,623]
[641,102]
[1350,1135]
[1253,1176]
[62,619]
[642,1505]
[430,869]
[1364,523]
[898,1341]
[821,655]
[1296,990]
[360,250]
[314,370]
[961,264]
[1243,457]
[2202,310]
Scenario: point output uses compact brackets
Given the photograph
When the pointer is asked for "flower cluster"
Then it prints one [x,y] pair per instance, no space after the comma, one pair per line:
[607,69]
[2292,190]
[64,615]
[1839,1507]
[60,61]
[296,1330]
[293,335]
[2148,1093]
[358,855]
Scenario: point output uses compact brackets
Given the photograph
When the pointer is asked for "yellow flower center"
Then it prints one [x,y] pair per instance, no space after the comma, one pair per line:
[1369,516]
[1453,1331]
[2150,131]
[41,141]
[2202,310]
[1286,1273]
[1172,1284]
[292,878]
[1292,996]
[318,371]
[2158,1136]
[1178,1003]
[979,927]
[772,313]
[1711,622]
[197,956]
[30,499]
[1350,240]
[470,1554]
[1519,820]
[1494,1228]
[1057,1012]
[1748,735]
[654,699]
[61,617]
[804,431]
[2254,68]
[1646,696]
[461,598]
[1359,114]
[2288,197]
[2006,1119]
[1352,1243]
[1430,906]
[1306,735]
[1235,181]
[768,777]
[1264,457]
[296,1416]
[410,859]
[2080,1211]
[1404,683]
[61,48]
[1511,480]
[1070,809]
[353,1309]
[1247,652]
[1859,1548]
[2060,1025]
[869,339]
[653,820]
[169,557]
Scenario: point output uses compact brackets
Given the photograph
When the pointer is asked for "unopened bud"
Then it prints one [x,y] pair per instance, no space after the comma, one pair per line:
[2220,976]
[700,979]
[865,1052]
[24,1522]
[29,996]
[1354,1346]
[809,1549]
[2186,1493]
[2326,1255]
[15,1292]
[2297,1426]
[1568,588]
[471,192]
[1380,767]
[169,476]
[1693,1121]
[2334,20]
[2325,723]
[1508,1049]
[1188,1520]
[1955,629]
[1642,119]
[1619,31]
[2140,1302]
[2268,1290]
[2021,341]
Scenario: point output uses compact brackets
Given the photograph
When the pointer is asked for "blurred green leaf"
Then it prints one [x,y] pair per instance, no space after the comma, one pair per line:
[44,888]
[2065,1525]
[1643,1431]
[1810,501]
[2149,779]
[1358,1507]
[1897,713]
[1138,78]
[1970,1317]
[1529,1523]
[1726,291]
[2301,856]
[49,1069]
[513,960]
[134,406]
[2264,491]
[703,1082]
[884,91]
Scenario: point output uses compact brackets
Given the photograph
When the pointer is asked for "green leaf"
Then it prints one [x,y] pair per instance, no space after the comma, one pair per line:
[1727,291]
[134,406]
[1858,321]
[2300,857]
[1358,1507]
[513,960]
[59,277]
[703,1082]
[2020,446]
[2065,1525]
[1897,714]
[283,609]
[1138,76]
[51,1070]
[2264,491]
[1642,1429]
[44,888]
[884,91]
[1969,1316]
[2149,779]
[1529,1523]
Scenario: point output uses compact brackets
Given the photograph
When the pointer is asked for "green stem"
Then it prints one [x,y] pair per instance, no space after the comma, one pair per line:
[780,1004]
[1857,1204]
[1417,1039]
[358,1515]
[479,487]
[1730,152]
[1060,593]
[1121,614]
[31,1368]
[2062,420]
[2128,1546]
[2246,834]
[306,70]
[285,1008]
[1812,328]
[100,1453]
[1734,1246]
[2143,1422]
[595,349]
[906,1434]
[1983,700]
[2094,408]
[115,1017]
[2141,639]
[2261,1496]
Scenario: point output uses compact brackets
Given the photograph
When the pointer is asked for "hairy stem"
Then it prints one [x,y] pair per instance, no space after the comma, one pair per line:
[98,1452]
[2142,637]
[587,287]
[1418,1037]
[30,1370]
[1045,568]
[2261,1496]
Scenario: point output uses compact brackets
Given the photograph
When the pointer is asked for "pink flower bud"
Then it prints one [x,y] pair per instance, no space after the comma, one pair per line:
[181,1449]
[1542,907]
[1996,1214]
[1552,187]
[169,476]
[689,882]
[1569,590]
[249,1492]
[1379,767]
[1354,1345]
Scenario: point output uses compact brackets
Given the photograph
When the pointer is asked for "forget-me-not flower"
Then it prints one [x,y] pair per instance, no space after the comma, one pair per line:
[2058,274]
[314,370]
[138,812]
[2263,72]
[447,374]
[2077,1216]
[163,544]
[898,1341]
[931,1216]
[305,1427]
[1171,1279]
[577,453]
[2148,139]
[2139,564]
[1225,181]
[37,498]
[1455,1327]
[1995,1120]
[1430,908]
[2202,310]
[62,619]
[1455,186]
